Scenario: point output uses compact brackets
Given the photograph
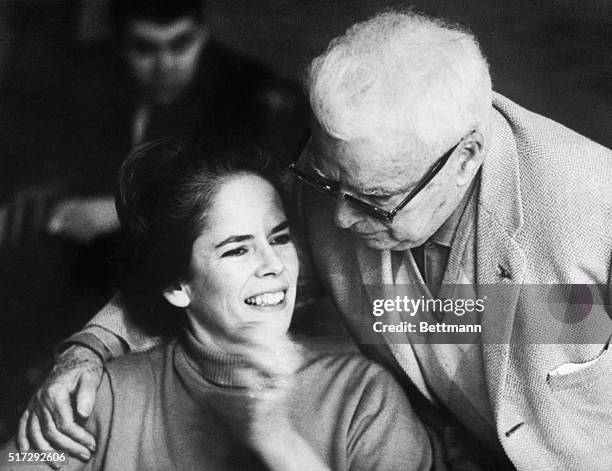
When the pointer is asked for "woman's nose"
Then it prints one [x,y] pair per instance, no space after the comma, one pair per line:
[270,262]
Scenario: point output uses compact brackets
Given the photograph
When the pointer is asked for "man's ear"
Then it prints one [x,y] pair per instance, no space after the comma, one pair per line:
[472,155]
[178,295]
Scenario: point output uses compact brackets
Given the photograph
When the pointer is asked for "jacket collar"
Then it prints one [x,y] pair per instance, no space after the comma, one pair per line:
[500,261]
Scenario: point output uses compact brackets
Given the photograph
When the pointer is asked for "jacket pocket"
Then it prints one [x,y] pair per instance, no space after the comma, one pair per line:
[574,375]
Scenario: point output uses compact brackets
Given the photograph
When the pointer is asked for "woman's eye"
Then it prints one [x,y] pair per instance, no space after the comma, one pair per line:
[281,239]
[235,252]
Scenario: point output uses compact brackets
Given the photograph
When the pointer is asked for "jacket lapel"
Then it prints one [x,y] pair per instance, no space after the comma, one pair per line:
[376,270]
[500,261]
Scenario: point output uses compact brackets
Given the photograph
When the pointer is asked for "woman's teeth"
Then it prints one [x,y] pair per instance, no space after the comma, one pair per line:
[266,299]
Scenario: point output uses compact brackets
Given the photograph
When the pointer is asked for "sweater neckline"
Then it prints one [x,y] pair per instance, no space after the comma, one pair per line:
[211,363]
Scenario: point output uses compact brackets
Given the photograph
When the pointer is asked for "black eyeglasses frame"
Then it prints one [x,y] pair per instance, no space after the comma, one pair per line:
[332,188]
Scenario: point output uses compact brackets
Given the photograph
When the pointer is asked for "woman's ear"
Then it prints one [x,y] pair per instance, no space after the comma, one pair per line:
[178,295]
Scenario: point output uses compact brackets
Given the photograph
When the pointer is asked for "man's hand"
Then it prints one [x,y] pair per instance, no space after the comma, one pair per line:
[84,219]
[49,422]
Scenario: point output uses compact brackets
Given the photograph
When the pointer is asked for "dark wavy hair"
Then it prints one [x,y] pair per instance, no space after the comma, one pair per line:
[121,12]
[166,189]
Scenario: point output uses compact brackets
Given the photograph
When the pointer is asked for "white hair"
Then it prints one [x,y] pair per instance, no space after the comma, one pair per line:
[407,81]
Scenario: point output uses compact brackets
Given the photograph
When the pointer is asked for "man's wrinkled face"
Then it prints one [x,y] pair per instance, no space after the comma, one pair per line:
[163,58]
[384,179]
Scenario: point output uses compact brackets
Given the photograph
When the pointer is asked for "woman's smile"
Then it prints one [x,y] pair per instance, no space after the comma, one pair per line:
[267,299]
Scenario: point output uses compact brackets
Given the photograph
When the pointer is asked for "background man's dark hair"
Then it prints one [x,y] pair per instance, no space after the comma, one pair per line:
[159,11]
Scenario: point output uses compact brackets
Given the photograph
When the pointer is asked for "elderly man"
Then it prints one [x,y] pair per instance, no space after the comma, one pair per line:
[417,172]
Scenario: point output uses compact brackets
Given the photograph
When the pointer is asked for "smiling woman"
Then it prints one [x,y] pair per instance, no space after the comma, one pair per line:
[209,263]
[207,236]
[243,269]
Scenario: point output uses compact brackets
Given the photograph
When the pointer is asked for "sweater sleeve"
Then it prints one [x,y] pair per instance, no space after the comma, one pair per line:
[111,333]
[385,433]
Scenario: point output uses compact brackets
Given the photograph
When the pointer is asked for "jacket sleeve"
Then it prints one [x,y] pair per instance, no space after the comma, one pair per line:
[99,424]
[111,333]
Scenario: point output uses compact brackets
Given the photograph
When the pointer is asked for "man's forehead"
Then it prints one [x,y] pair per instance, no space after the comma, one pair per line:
[161,32]
[362,165]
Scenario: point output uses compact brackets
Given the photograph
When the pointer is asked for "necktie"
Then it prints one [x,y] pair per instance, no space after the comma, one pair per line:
[431,259]
[418,253]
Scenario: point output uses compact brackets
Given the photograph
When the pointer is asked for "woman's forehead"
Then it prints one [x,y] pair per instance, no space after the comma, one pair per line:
[246,205]
[245,197]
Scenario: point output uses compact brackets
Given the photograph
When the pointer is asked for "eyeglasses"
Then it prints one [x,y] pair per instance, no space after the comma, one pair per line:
[332,188]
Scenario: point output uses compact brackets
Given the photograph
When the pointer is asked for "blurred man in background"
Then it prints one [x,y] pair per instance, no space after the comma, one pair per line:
[163,75]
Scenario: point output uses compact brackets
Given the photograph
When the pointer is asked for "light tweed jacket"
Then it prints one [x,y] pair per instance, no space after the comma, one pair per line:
[544,216]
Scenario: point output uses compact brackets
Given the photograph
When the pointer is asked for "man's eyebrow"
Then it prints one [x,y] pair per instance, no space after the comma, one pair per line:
[364,191]
[376,191]
[234,238]
[314,161]
[182,38]
[379,191]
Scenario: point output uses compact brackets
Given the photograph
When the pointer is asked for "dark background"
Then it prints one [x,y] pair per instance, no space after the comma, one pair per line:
[551,56]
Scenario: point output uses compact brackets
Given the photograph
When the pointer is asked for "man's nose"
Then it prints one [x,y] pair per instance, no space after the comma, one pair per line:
[165,59]
[346,215]
[270,263]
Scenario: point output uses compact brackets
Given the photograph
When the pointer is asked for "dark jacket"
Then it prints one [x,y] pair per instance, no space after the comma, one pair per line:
[232,99]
